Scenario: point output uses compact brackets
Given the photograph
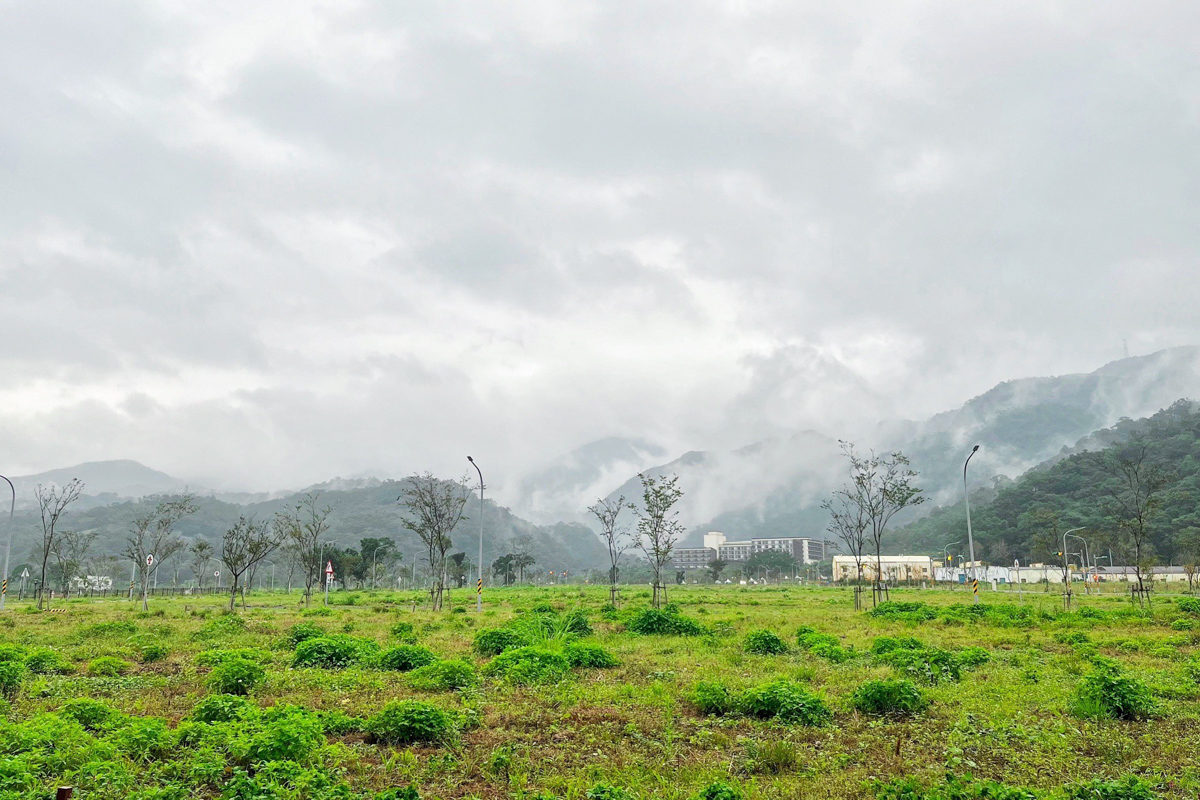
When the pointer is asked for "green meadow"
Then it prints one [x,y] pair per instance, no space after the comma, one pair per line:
[729,693]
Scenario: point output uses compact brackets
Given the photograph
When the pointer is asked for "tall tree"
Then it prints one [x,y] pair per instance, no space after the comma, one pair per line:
[243,546]
[71,549]
[304,526]
[202,556]
[434,509]
[716,567]
[1187,544]
[658,527]
[615,536]
[504,568]
[52,503]
[522,547]
[153,534]
[881,486]
[1134,490]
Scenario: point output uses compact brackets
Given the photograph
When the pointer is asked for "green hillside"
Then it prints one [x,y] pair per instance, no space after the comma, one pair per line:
[370,512]
[1013,519]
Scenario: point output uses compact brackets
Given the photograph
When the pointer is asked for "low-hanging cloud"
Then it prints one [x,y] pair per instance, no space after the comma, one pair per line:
[262,244]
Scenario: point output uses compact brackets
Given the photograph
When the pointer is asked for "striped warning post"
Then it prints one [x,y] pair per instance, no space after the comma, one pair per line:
[479,586]
[975,587]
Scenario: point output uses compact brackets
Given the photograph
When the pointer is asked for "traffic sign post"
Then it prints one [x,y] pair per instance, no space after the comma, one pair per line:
[217,575]
[24,575]
[328,579]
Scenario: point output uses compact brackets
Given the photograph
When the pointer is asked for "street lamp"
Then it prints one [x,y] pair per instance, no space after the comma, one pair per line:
[1086,559]
[479,566]
[8,549]
[970,536]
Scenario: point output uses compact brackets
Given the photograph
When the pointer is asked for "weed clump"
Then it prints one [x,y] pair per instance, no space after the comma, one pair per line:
[898,698]
[404,632]
[212,658]
[903,612]
[764,643]
[91,714]
[589,656]
[720,790]
[44,661]
[409,721]
[303,631]
[1189,605]
[221,708]
[527,666]
[786,701]
[824,645]
[108,667]
[606,791]
[443,676]
[494,641]
[288,733]
[406,657]
[236,676]
[664,622]
[713,698]
[335,651]
[1109,693]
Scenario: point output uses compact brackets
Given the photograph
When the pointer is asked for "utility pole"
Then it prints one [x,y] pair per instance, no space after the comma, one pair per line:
[8,548]
[970,537]
[479,566]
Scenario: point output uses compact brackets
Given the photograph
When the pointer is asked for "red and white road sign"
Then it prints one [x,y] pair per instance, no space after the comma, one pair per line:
[150,560]
[328,567]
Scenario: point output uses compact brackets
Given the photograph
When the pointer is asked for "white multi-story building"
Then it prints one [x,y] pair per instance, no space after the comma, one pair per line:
[894,568]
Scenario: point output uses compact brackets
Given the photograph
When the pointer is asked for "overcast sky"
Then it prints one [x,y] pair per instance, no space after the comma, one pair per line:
[264,244]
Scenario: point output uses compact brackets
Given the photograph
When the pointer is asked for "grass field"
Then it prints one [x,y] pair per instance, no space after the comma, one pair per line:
[124,704]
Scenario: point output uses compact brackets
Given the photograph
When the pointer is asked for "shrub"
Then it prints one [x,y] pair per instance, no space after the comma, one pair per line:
[150,653]
[786,701]
[221,708]
[403,793]
[765,643]
[406,657]
[494,641]
[823,645]
[891,697]
[12,652]
[331,652]
[1128,788]
[606,791]
[713,697]
[443,676]
[144,738]
[408,721]
[930,665]
[303,631]
[529,665]
[953,789]
[338,723]
[108,667]
[971,657]
[404,632]
[1110,693]
[1189,605]
[288,733]
[720,790]
[589,656]
[665,622]
[211,658]
[44,661]
[236,676]
[91,714]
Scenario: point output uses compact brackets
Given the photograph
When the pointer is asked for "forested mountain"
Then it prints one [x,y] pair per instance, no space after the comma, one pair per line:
[1076,490]
[367,512]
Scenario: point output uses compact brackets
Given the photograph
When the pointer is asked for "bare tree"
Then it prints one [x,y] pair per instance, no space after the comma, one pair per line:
[521,547]
[153,534]
[71,550]
[52,503]
[245,545]
[658,527]
[1134,498]
[1187,544]
[304,526]
[881,487]
[848,521]
[202,556]
[615,536]
[434,509]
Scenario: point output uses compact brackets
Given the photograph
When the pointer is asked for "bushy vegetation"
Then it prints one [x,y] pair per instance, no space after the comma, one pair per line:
[895,697]
[1109,691]
[408,721]
[663,622]
[494,641]
[825,645]
[765,643]
[443,676]
[108,667]
[405,657]
[335,651]
[527,666]
[589,656]
[236,676]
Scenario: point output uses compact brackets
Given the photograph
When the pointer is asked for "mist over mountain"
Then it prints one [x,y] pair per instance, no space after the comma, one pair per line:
[774,487]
